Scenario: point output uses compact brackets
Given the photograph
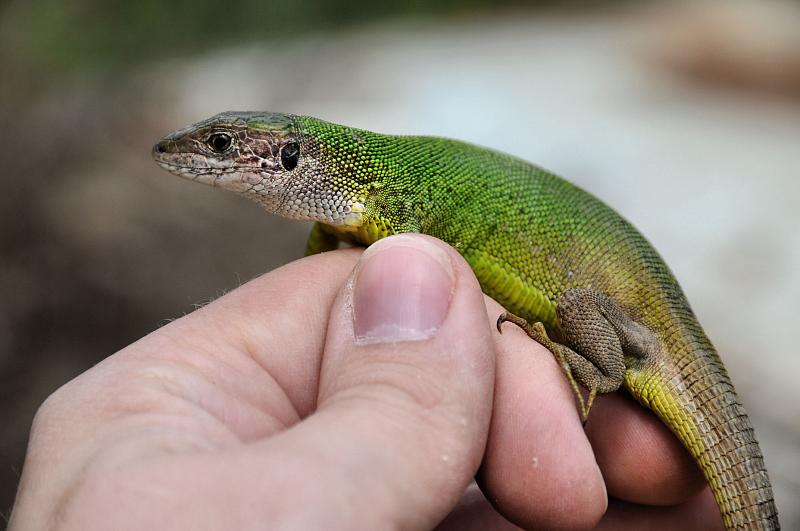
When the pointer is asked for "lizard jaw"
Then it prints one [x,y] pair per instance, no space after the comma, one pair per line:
[229,179]
[199,168]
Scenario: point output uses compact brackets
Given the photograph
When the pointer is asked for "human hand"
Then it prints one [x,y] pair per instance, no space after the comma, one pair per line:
[264,410]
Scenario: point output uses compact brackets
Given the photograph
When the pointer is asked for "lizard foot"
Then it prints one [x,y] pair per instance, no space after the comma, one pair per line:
[538,333]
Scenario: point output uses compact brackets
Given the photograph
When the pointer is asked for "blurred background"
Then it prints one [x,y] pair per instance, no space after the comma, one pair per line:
[683,116]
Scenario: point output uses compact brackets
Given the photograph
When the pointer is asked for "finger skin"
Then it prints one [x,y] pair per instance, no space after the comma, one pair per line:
[475,513]
[698,513]
[641,460]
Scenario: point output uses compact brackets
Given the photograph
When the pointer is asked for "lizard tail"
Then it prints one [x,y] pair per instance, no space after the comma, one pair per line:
[694,396]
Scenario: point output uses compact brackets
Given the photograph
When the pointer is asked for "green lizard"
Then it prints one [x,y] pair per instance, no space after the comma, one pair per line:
[596,292]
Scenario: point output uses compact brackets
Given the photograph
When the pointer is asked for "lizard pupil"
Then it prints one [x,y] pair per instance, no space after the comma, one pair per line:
[219,142]
[290,154]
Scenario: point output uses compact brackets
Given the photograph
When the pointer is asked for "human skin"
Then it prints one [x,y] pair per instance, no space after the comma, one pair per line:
[348,391]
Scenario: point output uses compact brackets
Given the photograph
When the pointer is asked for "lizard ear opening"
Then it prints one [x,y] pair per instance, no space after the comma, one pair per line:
[290,155]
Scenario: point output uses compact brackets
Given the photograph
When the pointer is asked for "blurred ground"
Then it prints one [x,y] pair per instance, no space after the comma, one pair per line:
[687,122]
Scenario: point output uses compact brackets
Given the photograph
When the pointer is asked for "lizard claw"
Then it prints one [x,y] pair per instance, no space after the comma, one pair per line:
[500,320]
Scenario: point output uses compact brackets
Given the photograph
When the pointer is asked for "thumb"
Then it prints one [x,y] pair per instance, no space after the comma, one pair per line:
[406,384]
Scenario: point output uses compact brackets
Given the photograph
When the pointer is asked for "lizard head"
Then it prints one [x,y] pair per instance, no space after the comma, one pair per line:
[270,158]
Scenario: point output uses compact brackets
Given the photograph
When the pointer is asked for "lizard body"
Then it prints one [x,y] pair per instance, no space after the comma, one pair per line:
[599,296]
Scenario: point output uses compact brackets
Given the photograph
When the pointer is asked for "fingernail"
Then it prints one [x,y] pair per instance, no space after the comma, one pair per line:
[401,291]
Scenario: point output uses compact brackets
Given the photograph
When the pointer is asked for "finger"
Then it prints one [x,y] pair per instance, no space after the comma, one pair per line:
[250,358]
[475,513]
[539,470]
[405,388]
[699,513]
[642,461]
[277,323]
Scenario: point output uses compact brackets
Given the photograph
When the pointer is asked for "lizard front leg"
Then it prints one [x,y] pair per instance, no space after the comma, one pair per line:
[598,335]
[320,240]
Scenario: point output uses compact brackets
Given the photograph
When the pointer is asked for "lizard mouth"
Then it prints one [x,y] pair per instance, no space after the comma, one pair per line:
[230,178]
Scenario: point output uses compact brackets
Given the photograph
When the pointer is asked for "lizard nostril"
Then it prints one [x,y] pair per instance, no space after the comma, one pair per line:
[161,147]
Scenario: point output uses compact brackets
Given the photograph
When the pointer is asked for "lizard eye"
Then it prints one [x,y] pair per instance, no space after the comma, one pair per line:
[290,154]
[219,142]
